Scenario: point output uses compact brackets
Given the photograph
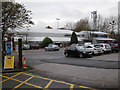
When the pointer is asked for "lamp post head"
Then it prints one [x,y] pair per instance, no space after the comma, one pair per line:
[57,19]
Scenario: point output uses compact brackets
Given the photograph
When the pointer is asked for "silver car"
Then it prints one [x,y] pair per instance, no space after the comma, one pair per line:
[25,46]
[106,48]
[96,50]
[52,47]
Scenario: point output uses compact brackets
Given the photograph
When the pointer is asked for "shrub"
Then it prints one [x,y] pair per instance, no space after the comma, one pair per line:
[74,38]
[46,41]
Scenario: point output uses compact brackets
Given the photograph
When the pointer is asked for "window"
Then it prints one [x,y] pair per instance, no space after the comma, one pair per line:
[89,47]
[72,48]
[82,35]
[100,35]
[68,48]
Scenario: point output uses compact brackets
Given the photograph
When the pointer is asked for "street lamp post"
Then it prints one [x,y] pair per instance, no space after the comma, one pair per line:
[57,22]
[118,17]
[113,23]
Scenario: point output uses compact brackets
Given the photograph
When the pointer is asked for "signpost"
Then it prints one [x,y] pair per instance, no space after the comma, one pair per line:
[9,62]
[20,52]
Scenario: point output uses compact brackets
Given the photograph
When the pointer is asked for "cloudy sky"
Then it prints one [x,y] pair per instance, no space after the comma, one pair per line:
[45,12]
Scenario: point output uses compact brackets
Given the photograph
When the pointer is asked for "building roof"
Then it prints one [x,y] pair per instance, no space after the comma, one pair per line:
[105,39]
[55,39]
[49,32]
[95,32]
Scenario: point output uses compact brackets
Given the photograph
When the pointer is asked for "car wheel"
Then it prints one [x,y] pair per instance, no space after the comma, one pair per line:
[45,49]
[93,53]
[90,56]
[116,51]
[81,55]
[103,51]
[66,54]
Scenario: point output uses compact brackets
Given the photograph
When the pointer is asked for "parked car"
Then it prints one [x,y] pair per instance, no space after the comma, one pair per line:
[34,46]
[105,47]
[25,46]
[95,49]
[114,47]
[52,47]
[77,51]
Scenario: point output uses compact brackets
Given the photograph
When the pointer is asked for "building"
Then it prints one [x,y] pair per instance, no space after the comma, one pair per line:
[96,36]
[57,35]
[64,36]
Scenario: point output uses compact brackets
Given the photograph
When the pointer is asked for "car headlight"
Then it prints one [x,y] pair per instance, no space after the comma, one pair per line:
[84,52]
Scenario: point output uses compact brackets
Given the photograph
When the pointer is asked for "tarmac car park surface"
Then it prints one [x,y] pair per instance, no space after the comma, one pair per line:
[56,63]
[105,61]
[28,80]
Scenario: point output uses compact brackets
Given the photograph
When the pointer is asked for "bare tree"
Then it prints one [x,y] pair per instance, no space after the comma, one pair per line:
[70,25]
[113,22]
[83,24]
[99,22]
[106,26]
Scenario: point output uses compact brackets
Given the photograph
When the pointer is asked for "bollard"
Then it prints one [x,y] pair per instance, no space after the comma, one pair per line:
[24,64]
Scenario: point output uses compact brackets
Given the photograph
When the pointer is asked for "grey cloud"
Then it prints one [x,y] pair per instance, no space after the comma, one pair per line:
[45,13]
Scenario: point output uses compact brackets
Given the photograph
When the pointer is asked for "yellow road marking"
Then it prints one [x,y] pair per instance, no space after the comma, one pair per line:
[63,82]
[71,87]
[22,83]
[26,83]
[37,76]
[5,77]
[4,80]
[28,74]
[9,77]
[34,85]
[51,80]
[16,74]
[48,84]
[10,73]
[16,80]
[87,87]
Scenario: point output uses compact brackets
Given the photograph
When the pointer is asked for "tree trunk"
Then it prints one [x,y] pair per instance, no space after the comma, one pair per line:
[3,47]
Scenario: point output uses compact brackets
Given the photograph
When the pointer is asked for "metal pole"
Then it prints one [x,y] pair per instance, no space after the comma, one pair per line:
[1,61]
[118,17]
[57,22]
[20,52]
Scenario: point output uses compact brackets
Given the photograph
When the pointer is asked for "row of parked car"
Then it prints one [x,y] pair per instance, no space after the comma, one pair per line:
[30,46]
[86,50]
[89,50]
[50,47]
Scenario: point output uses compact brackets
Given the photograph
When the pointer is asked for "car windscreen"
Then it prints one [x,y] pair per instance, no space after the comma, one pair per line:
[116,45]
[97,46]
[107,45]
[80,47]
[54,46]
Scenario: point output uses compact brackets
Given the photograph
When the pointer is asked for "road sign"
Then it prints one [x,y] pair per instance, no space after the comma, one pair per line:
[9,62]
[8,48]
